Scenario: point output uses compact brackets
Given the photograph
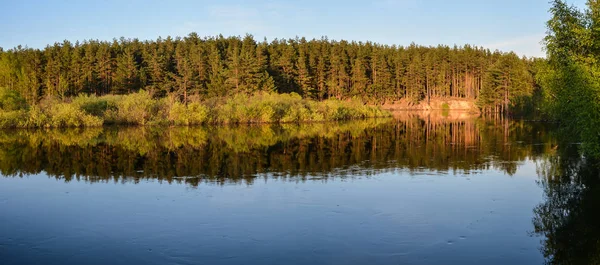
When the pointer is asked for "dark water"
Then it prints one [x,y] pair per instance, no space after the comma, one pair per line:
[397,191]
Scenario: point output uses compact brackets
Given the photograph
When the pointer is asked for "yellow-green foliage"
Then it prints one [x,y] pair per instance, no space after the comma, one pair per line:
[12,119]
[69,115]
[57,115]
[92,105]
[333,109]
[11,100]
[445,109]
[141,109]
[288,108]
[134,109]
[192,114]
[35,118]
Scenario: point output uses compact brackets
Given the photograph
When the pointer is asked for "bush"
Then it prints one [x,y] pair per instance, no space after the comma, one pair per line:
[141,109]
[133,109]
[12,119]
[192,114]
[445,106]
[36,118]
[69,115]
[287,108]
[11,100]
[92,105]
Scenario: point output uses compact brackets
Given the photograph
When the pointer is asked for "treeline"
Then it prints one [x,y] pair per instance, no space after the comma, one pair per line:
[220,67]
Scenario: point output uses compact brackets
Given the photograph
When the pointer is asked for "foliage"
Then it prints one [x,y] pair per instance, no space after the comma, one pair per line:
[91,104]
[134,109]
[289,108]
[506,82]
[445,109]
[141,109]
[571,76]
[60,115]
[225,67]
[192,114]
[11,100]
[69,115]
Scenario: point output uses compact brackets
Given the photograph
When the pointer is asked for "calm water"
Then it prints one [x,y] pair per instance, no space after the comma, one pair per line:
[397,191]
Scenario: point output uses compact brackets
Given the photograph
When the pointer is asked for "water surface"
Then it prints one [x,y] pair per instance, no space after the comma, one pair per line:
[394,191]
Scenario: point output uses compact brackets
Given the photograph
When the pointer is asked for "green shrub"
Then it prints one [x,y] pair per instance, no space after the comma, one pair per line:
[69,115]
[445,106]
[12,119]
[11,100]
[133,109]
[92,105]
[36,118]
[141,109]
[192,114]
[445,109]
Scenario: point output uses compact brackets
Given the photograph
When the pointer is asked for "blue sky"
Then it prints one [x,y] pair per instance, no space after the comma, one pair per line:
[517,25]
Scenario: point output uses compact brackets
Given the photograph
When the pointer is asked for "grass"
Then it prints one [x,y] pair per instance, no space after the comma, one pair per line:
[141,109]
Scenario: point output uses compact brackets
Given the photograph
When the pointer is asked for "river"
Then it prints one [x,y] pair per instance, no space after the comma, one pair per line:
[404,190]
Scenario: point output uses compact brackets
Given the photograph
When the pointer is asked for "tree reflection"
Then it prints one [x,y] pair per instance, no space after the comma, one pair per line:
[233,154]
[568,219]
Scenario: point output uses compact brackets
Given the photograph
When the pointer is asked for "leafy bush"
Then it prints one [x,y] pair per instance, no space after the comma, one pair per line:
[133,109]
[12,119]
[11,100]
[445,106]
[445,109]
[69,115]
[288,108]
[141,109]
[192,114]
[36,118]
[92,105]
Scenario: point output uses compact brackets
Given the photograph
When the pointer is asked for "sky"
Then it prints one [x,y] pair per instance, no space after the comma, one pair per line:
[506,25]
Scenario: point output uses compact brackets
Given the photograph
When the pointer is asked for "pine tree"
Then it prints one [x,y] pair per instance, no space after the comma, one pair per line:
[319,69]
[304,71]
[185,74]
[360,80]
[126,75]
[216,85]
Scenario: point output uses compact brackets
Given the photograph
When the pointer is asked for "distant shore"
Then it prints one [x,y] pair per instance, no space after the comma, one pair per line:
[441,103]
[143,110]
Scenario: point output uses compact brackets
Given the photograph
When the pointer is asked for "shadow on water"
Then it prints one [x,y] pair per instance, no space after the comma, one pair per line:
[568,218]
[243,153]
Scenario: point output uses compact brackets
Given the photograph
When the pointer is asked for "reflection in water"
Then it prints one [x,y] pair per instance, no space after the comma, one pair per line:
[242,153]
[384,219]
[568,218]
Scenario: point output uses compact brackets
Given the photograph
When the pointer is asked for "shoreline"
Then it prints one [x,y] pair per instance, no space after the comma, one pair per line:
[143,110]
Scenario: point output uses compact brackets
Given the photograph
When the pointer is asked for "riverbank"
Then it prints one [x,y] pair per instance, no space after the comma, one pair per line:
[141,109]
[440,104]
[436,115]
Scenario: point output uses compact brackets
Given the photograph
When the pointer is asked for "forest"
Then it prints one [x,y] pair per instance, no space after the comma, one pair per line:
[198,68]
